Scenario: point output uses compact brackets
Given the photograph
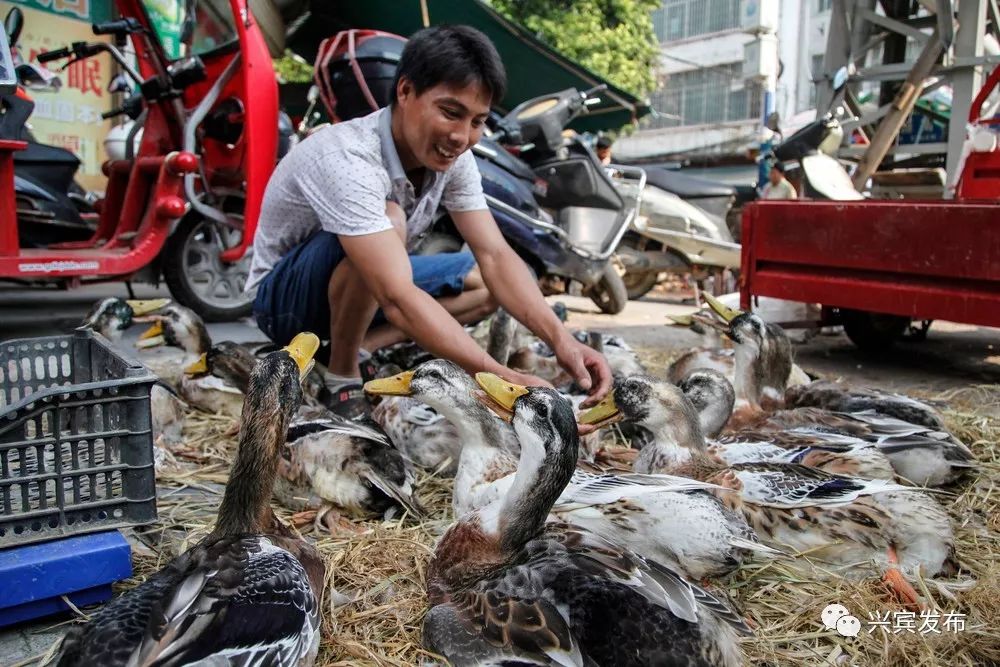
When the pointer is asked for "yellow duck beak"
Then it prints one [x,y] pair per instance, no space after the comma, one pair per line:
[152,336]
[680,320]
[142,307]
[199,367]
[499,394]
[397,385]
[722,310]
[603,414]
[302,349]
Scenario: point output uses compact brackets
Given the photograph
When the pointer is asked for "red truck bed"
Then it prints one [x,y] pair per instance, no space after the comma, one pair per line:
[922,260]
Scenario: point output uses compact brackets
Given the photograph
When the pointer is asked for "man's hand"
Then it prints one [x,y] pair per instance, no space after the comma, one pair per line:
[587,366]
[523,379]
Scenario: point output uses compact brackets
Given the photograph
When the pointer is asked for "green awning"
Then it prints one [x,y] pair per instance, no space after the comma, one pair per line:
[533,68]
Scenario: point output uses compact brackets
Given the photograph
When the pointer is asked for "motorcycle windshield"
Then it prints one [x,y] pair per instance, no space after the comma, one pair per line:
[828,179]
[210,23]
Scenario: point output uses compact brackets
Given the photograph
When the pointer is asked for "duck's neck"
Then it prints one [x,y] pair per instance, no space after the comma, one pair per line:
[677,443]
[762,373]
[246,504]
[542,474]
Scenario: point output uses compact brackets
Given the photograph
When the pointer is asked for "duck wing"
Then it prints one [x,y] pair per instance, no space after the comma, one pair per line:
[790,485]
[834,396]
[588,488]
[234,596]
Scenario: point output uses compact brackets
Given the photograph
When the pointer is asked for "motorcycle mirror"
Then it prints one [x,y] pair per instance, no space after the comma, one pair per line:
[120,84]
[773,119]
[313,94]
[13,25]
[840,78]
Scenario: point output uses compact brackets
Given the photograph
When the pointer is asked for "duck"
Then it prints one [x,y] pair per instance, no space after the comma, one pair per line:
[843,520]
[338,466]
[504,586]
[110,317]
[248,593]
[923,455]
[720,358]
[659,517]
[713,397]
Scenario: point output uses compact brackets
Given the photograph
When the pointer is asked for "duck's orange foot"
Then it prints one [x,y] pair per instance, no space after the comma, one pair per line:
[899,586]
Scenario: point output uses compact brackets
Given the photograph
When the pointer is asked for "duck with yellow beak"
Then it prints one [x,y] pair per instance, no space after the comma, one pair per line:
[507,586]
[841,519]
[657,516]
[248,593]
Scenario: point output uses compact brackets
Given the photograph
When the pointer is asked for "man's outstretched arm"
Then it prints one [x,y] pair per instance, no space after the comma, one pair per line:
[513,286]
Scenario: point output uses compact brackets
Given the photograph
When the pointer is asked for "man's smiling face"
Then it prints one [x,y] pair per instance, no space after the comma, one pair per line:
[439,124]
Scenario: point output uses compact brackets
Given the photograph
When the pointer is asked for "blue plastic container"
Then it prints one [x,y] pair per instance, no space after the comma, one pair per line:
[83,567]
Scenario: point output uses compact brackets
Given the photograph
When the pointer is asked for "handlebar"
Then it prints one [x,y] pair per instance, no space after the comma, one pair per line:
[58,54]
[122,26]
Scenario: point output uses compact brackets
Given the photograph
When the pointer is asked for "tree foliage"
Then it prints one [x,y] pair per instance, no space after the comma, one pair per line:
[291,68]
[612,38]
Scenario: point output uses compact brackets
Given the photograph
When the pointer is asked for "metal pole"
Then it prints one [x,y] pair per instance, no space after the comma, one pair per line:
[902,105]
[965,82]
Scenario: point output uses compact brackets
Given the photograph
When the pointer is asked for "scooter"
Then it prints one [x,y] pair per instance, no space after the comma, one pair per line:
[671,235]
[575,200]
[51,206]
[184,207]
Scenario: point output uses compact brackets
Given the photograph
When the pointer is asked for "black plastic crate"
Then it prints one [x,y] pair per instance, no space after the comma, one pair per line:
[76,445]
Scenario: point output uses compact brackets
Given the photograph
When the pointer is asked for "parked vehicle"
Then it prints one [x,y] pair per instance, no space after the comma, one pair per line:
[551,198]
[175,209]
[674,236]
[51,206]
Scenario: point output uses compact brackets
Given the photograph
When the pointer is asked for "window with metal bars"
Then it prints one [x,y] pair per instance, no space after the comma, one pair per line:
[707,95]
[681,19]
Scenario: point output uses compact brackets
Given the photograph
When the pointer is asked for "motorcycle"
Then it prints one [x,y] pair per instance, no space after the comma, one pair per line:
[183,206]
[51,206]
[672,235]
[575,200]
[815,146]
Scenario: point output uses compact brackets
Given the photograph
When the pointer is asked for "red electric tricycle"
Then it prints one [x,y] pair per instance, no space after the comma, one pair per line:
[182,204]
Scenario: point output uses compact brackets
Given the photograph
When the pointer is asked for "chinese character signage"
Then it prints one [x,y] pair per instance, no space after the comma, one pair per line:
[70,117]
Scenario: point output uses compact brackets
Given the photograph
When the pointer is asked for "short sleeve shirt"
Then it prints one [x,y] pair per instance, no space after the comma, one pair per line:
[339,180]
[783,190]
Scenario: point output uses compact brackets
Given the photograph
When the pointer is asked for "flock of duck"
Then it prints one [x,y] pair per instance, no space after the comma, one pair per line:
[558,555]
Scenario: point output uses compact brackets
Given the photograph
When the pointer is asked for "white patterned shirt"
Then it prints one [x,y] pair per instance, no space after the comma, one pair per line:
[339,179]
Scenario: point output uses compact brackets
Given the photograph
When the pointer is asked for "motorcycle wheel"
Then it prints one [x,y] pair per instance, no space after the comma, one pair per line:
[609,292]
[638,284]
[198,279]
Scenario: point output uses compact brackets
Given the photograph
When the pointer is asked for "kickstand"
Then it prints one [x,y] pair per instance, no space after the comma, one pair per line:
[131,292]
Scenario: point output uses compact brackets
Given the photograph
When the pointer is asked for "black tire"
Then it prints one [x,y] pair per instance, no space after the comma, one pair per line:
[873,332]
[637,285]
[436,243]
[198,279]
[609,292]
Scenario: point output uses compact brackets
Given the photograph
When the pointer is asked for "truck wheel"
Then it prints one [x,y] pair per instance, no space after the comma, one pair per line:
[873,332]
[198,279]
[609,292]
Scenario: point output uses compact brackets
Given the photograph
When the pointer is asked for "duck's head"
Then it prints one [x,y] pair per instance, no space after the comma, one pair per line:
[440,383]
[656,405]
[110,317]
[764,353]
[176,326]
[275,385]
[713,397]
[547,432]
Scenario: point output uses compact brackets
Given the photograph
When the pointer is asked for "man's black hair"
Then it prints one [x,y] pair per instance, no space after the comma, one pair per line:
[777,165]
[451,54]
[604,142]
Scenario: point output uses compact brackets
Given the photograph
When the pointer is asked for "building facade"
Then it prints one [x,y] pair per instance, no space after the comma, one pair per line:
[720,58]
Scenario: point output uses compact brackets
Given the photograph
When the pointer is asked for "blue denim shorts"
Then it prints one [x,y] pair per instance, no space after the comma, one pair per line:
[293,297]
